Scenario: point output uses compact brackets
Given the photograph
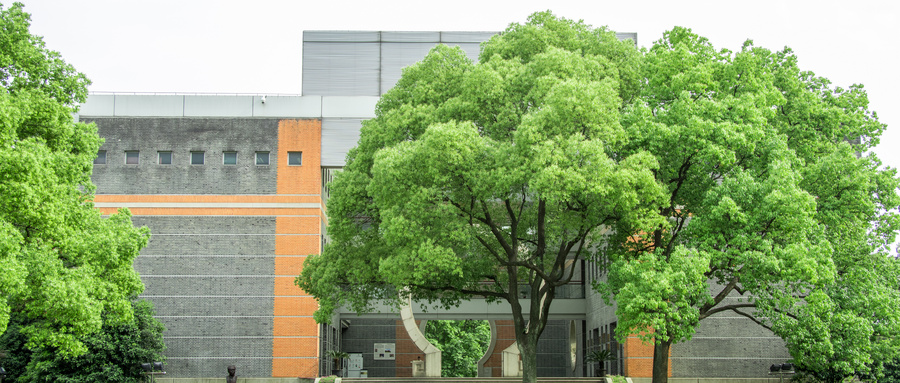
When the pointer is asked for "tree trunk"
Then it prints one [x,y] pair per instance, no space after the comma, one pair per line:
[528,352]
[661,361]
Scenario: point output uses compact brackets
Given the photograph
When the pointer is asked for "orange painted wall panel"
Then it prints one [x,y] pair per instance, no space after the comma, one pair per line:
[295,326]
[289,265]
[297,225]
[297,244]
[295,347]
[295,306]
[303,136]
[284,286]
[295,367]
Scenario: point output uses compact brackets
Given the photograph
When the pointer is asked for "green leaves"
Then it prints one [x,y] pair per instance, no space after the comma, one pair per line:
[766,202]
[63,263]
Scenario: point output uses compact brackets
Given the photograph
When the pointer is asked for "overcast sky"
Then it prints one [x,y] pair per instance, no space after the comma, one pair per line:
[230,46]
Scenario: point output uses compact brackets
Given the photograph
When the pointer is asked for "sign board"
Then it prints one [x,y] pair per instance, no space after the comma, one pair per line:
[384,351]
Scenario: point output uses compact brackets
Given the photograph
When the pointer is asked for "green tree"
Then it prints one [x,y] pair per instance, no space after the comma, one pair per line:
[462,344]
[63,264]
[489,179]
[789,226]
[115,353]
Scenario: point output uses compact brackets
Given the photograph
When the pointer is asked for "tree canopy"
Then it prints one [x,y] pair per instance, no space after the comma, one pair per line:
[489,179]
[114,355]
[63,264]
[706,180]
[771,210]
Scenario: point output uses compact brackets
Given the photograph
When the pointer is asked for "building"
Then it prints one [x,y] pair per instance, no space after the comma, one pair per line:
[232,188]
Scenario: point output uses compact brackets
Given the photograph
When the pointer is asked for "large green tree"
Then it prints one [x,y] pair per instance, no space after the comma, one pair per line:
[489,179]
[462,344]
[63,264]
[770,210]
[115,353]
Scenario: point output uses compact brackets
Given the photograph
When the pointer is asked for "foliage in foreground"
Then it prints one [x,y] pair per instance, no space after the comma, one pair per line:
[63,264]
[490,179]
[114,354]
[462,344]
[772,214]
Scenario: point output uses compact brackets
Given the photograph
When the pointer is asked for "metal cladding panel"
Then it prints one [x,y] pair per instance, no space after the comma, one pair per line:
[472,49]
[626,36]
[98,105]
[149,105]
[411,37]
[338,137]
[396,56]
[341,36]
[341,69]
[348,107]
[465,37]
[287,106]
[230,106]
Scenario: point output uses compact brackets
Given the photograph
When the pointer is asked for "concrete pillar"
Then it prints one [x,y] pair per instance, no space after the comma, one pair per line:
[432,354]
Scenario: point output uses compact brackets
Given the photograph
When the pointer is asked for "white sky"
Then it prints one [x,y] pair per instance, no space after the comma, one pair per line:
[230,46]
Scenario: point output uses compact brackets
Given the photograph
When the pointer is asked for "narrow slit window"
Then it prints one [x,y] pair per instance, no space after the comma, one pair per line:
[229,158]
[101,158]
[132,157]
[197,158]
[295,158]
[262,158]
[165,158]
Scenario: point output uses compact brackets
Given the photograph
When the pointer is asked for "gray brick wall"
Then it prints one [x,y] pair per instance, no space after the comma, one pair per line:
[361,337]
[181,136]
[210,278]
[553,350]
[728,345]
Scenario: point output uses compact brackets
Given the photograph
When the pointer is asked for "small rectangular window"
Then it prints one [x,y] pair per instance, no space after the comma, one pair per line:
[132,157]
[197,158]
[229,158]
[101,158]
[295,158]
[165,158]
[262,158]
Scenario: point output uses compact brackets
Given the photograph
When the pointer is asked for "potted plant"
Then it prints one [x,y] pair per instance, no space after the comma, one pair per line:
[338,357]
[600,357]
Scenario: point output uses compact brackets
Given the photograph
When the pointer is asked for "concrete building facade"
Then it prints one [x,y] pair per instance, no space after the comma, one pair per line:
[233,190]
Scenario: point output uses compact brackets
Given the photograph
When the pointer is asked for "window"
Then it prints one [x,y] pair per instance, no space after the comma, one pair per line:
[197,158]
[262,158]
[165,158]
[101,158]
[132,157]
[295,158]
[229,158]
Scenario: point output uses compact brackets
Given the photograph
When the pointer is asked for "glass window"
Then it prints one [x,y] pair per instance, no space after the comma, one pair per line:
[197,158]
[132,157]
[262,158]
[229,158]
[101,158]
[165,158]
[295,158]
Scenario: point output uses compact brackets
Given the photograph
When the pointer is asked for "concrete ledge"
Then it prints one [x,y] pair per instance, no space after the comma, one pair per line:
[239,380]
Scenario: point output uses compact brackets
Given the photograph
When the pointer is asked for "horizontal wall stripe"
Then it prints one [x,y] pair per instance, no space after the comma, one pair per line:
[237,357]
[207,198]
[235,337]
[234,234]
[212,211]
[232,316]
[226,296]
[212,205]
